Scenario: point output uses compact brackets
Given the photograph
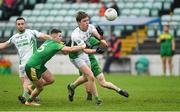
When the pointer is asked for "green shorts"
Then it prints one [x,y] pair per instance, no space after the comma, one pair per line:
[34,74]
[96,69]
[166,52]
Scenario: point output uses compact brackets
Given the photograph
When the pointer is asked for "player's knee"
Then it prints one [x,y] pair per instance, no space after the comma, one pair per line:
[39,88]
[52,81]
[91,78]
[25,85]
[102,83]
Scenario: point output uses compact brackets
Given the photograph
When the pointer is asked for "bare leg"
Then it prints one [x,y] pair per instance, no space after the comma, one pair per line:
[39,87]
[170,65]
[80,80]
[88,73]
[89,94]
[48,78]
[164,64]
[25,82]
[105,84]
[102,81]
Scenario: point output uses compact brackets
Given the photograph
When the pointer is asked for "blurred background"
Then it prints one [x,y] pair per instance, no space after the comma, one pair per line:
[135,30]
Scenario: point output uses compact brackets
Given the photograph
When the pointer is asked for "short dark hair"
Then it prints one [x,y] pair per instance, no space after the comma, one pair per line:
[167,25]
[80,15]
[20,18]
[55,31]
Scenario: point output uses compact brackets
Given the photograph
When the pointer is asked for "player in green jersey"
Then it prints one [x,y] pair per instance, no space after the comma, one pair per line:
[35,67]
[98,74]
[167,48]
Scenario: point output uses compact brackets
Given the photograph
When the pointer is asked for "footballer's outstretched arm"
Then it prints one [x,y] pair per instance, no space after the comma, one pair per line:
[89,51]
[99,50]
[4,45]
[73,49]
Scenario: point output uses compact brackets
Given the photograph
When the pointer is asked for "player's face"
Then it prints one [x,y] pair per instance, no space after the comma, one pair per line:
[20,25]
[84,23]
[166,29]
[56,35]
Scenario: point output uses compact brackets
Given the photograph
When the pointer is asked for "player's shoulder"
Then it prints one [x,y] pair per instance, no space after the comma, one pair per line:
[15,35]
[75,31]
[30,30]
[91,25]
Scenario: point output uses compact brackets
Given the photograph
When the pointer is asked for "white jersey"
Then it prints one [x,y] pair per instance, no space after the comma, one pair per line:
[25,43]
[79,37]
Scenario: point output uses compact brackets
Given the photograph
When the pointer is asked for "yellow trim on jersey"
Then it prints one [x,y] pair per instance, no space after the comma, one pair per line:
[33,74]
[165,36]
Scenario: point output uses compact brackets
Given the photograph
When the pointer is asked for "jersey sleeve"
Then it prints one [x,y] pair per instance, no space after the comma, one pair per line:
[10,41]
[60,46]
[91,28]
[36,33]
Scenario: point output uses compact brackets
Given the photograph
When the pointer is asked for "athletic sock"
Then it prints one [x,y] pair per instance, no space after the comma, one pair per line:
[97,98]
[25,94]
[29,100]
[89,93]
[118,90]
[72,86]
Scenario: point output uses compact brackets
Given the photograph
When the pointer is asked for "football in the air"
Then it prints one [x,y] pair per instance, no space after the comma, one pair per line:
[110,14]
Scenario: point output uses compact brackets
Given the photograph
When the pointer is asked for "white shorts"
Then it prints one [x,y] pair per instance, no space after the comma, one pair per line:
[82,60]
[22,72]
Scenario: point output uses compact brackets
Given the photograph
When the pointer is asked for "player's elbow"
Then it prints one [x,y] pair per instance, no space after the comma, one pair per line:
[3,45]
[45,36]
[84,46]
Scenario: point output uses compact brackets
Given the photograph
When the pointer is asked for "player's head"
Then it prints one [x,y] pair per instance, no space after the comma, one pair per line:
[20,24]
[56,33]
[82,19]
[166,28]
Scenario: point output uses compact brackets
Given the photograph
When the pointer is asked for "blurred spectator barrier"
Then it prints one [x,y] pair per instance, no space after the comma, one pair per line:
[5,66]
[142,65]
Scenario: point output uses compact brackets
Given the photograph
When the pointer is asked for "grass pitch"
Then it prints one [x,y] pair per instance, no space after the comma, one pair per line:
[146,93]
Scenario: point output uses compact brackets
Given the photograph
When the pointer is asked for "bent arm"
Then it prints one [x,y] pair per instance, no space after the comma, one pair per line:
[99,37]
[4,45]
[90,51]
[74,48]
[173,45]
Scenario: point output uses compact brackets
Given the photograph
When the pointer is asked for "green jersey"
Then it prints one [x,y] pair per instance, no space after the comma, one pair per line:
[166,40]
[166,44]
[35,66]
[44,53]
[92,42]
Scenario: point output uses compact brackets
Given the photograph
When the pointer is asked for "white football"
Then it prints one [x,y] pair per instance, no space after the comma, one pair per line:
[110,14]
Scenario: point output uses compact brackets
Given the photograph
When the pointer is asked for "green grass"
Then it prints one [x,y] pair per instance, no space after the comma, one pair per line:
[146,93]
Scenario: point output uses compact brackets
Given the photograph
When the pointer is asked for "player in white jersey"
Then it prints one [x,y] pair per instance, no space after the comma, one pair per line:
[80,59]
[25,42]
